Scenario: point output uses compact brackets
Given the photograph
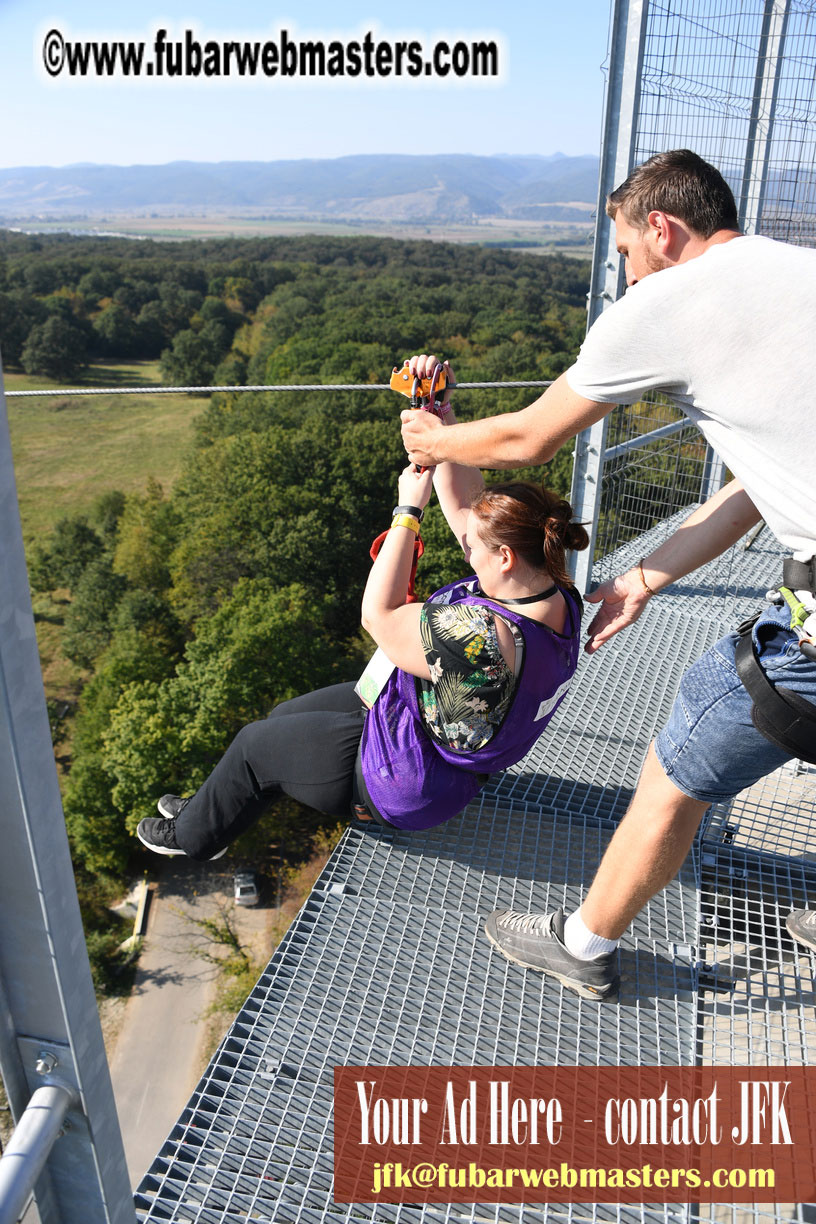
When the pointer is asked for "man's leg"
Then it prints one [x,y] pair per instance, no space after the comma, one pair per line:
[645,854]
[708,751]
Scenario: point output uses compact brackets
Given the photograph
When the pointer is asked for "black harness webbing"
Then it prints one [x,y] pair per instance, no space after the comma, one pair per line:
[799,575]
[782,716]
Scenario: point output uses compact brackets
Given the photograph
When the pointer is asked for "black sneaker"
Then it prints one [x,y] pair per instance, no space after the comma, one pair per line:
[171,806]
[159,835]
[801,925]
[536,941]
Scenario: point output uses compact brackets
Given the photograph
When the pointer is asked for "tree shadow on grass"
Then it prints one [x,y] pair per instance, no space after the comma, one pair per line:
[100,374]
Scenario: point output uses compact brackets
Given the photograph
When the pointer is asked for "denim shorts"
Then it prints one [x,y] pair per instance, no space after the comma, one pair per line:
[709,748]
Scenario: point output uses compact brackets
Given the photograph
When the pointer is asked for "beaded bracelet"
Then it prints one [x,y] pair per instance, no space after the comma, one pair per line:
[646,586]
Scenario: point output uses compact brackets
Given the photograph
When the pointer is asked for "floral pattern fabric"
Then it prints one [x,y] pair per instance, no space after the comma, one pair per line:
[471,687]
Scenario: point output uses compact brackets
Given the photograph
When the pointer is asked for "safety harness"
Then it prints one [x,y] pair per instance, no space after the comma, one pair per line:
[419,549]
[782,716]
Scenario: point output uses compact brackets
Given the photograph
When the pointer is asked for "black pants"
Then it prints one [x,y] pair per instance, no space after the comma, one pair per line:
[306,749]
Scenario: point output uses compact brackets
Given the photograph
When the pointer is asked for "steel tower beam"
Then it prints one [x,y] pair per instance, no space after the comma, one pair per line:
[49,1028]
[627,38]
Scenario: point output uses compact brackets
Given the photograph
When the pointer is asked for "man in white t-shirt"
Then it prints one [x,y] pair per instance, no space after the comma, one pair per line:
[726,331]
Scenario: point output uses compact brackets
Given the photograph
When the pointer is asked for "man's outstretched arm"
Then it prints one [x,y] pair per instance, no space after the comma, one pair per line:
[513,439]
[715,526]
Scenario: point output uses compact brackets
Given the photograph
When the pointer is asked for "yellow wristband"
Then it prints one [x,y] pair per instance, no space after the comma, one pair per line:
[406,520]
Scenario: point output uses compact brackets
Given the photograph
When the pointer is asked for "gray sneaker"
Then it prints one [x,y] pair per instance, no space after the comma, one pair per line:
[536,941]
[801,925]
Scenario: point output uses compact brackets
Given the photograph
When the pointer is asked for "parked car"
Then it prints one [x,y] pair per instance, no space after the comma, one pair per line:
[246,888]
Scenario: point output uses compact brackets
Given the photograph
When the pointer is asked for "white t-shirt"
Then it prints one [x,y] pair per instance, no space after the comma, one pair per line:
[731,337]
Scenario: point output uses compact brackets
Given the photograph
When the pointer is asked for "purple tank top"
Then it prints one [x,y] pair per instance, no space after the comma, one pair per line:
[415,781]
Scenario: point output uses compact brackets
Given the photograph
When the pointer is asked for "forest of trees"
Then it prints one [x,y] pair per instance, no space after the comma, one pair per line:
[198,607]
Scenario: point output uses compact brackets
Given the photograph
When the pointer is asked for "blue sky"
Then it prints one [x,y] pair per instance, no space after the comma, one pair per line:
[549,99]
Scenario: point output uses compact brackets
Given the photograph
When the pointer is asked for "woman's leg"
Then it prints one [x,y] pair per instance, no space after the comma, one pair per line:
[306,751]
[338,697]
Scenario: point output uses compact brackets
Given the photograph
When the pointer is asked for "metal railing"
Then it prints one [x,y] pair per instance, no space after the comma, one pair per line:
[30,1146]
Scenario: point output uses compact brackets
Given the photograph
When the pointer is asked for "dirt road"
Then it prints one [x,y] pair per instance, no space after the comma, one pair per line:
[158,1053]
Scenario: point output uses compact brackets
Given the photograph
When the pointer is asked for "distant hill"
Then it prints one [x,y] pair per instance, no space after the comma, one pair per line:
[388,187]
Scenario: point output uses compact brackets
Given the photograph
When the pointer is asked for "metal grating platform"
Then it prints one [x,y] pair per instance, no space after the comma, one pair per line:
[590,758]
[387,964]
[752,819]
[758,984]
[499,855]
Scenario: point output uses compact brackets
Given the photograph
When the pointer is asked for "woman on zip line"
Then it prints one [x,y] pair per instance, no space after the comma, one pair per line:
[467,683]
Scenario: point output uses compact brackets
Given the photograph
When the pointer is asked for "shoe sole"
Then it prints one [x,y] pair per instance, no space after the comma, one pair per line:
[608,995]
[174,853]
[158,849]
[801,939]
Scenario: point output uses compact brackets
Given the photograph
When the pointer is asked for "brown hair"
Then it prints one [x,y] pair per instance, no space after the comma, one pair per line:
[681,184]
[536,523]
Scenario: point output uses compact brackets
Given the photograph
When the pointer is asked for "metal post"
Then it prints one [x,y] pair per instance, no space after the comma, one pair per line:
[755,169]
[50,1021]
[713,474]
[617,153]
[763,110]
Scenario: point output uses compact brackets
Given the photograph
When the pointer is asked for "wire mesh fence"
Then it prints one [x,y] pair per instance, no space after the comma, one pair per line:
[651,482]
[728,78]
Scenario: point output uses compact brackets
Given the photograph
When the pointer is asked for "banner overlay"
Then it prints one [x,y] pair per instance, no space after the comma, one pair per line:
[575,1134]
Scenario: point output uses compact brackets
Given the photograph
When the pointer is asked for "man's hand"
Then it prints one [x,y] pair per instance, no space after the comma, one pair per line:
[624,598]
[712,528]
[416,429]
[419,436]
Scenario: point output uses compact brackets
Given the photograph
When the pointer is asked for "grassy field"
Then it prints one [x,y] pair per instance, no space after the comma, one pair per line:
[63,680]
[538,237]
[68,450]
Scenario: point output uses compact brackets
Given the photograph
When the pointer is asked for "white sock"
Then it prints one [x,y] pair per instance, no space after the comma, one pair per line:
[582,942]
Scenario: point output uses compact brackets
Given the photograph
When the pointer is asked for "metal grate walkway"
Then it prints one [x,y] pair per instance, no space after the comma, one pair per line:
[387,963]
